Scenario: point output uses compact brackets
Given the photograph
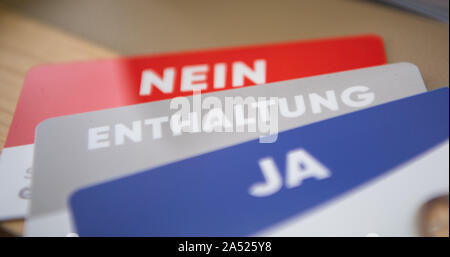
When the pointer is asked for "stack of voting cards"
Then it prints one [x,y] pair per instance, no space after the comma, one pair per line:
[308,138]
[57,90]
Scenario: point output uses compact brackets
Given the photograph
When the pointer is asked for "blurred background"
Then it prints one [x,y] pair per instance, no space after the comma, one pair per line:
[145,26]
[50,31]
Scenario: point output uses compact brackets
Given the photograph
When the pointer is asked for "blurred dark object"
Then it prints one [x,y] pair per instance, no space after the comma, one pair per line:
[434,215]
[437,9]
[4,233]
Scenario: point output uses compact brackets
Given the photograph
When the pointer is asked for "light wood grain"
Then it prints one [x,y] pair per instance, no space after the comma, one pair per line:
[25,43]
[134,27]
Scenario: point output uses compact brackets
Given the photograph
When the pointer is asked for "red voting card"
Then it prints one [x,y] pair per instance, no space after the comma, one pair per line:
[62,89]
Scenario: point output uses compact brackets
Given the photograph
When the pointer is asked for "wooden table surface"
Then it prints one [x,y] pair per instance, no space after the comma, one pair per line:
[25,42]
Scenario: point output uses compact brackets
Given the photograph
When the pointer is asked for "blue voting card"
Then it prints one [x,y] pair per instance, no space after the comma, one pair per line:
[250,188]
